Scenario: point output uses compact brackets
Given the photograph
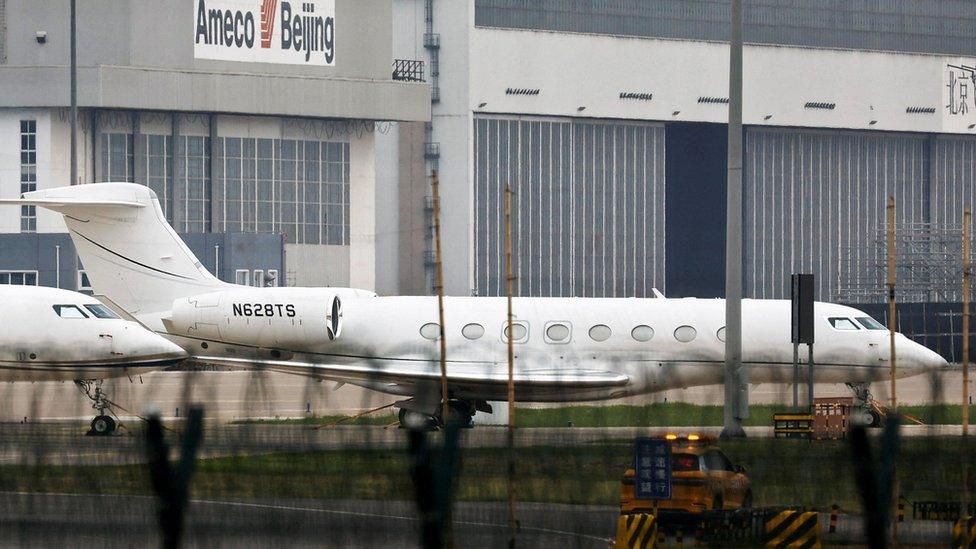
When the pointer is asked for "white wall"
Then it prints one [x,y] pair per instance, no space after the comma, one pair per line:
[362,211]
[53,162]
[574,70]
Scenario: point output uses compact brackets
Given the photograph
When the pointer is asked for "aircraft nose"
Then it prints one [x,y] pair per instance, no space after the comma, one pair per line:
[919,358]
[144,344]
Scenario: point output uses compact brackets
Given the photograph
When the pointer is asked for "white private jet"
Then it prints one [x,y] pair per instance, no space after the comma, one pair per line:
[47,334]
[567,349]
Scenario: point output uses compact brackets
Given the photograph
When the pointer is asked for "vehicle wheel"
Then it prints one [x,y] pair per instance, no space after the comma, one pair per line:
[875,418]
[102,425]
[410,419]
[717,503]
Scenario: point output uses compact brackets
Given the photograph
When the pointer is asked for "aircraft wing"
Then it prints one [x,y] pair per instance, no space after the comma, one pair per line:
[411,372]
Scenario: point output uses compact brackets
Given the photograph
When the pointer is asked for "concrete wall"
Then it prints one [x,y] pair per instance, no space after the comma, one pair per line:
[141,55]
[413,190]
[317,266]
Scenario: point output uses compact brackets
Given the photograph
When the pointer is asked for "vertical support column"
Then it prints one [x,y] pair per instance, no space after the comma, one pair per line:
[174,164]
[210,211]
[138,154]
[966,236]
[509,279]
[736,381]
[439,285]
[362,211]
[892,318]
[96,147]
[74,99]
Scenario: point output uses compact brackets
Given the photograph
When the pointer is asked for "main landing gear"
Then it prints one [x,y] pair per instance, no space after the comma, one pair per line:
[459,411]
[103,424]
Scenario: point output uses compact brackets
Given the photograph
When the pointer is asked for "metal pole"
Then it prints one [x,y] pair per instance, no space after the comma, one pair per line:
[892,320]
[439,286]
[217,261]
[57,266]
[810,377]
[509,278]
[796,377]
[74,101]
[736,380]
[966,235]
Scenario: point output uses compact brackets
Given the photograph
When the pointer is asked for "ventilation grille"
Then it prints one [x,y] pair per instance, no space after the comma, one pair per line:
[640,96]
[521,91]
[920,110]
[822,105]
[719,100]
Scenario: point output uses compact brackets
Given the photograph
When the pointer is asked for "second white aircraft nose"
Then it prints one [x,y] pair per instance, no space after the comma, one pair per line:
[142,344]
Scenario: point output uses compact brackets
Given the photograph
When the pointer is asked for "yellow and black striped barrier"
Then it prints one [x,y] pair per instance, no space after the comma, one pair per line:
[792,529]
[964,533]
[637,531]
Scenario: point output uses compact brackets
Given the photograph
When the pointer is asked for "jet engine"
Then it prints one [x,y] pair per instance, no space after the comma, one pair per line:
[297,319]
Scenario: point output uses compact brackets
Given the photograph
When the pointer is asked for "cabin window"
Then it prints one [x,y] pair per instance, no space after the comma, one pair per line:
[519,332]
[870,323]
[69,311]
[642,333]
[600,332]
[101,311]
[558,332]
[473,331]
[431,331]
[685,334]
[720,334]
[840,323]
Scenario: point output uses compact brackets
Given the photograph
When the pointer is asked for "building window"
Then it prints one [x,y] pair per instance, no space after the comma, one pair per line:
[272,278]
[295,187]
[242,277]
[116,157]
[153,167]
[28,173]
[191,182]
[19,278]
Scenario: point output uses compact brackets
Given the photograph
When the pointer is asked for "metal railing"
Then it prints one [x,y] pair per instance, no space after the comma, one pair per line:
[408,70]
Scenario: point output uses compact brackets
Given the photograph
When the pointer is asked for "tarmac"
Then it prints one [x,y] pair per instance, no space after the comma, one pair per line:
[233,395]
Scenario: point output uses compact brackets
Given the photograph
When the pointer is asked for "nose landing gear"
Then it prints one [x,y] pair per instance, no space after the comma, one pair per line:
[102,424]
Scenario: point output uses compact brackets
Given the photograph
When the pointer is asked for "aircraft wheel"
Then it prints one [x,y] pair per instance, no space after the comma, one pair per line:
[460,412]
[102,425]
[410,419]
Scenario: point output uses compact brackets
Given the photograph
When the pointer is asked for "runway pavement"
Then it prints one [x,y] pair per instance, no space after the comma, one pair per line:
[239,394]
[47,520]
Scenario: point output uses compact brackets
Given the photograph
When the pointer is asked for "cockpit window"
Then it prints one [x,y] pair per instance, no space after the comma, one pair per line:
[841,323]
[101,311]
[870,323]
[69,311]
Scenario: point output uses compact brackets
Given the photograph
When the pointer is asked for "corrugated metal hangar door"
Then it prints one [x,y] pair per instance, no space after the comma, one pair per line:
[814,199]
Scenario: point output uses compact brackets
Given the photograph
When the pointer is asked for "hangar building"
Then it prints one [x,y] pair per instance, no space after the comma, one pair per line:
[608,119]
[254,122]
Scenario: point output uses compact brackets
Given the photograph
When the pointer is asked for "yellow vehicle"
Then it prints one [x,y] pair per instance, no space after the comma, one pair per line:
[702,478]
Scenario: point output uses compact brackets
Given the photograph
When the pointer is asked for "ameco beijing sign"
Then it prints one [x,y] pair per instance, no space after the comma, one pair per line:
[265,31]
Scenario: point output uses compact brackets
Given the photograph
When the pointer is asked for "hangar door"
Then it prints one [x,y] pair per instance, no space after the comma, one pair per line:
[813,200]
[588,206]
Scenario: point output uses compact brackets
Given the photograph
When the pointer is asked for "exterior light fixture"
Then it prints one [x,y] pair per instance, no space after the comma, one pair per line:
[675,113]
[40,36]
[482,105]
[767,117]
[580,109]
[873,122]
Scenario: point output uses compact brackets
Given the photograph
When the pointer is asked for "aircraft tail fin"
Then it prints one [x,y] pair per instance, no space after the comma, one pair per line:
[129,251]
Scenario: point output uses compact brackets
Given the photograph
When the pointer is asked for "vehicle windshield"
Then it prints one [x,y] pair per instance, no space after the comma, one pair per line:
[684,462]
[101,311]
[69,311]
[870,323]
